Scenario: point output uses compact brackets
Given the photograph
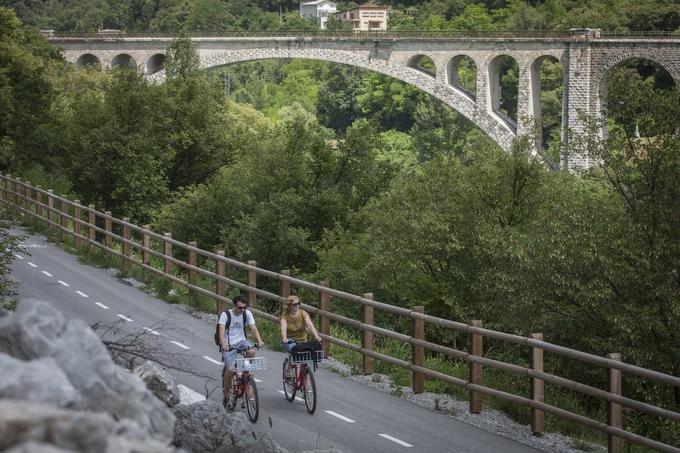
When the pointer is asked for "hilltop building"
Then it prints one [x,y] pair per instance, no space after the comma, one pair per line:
[322,9]
[365,17]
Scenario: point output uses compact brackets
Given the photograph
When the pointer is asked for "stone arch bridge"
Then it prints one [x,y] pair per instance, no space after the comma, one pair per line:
[586,56]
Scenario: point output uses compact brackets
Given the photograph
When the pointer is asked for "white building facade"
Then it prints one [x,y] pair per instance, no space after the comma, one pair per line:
[323,9]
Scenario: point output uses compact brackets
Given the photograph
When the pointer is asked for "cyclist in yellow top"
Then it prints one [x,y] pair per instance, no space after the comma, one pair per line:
[295,323]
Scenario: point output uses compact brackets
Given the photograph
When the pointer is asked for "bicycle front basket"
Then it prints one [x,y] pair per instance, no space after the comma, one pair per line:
[250,363]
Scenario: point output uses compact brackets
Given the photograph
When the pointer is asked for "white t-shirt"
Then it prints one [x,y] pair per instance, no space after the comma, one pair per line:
[236,331]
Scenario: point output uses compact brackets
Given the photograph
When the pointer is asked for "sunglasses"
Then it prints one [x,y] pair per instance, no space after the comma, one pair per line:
[296,304]
[241,307]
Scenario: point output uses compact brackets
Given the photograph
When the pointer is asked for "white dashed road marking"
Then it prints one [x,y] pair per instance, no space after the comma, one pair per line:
[19,256]
[257,380]
[394,439]
[210,359]
[47,273]
[297,398]
[177,343]
[341,417]
[32,264]
[151,330]
[102,305]
[63,283]
[82,294]
[125,318]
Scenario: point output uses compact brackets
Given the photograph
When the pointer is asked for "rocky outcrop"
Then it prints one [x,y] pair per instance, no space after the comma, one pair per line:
[37,331]
[159,381]
[60,391]
[206,426]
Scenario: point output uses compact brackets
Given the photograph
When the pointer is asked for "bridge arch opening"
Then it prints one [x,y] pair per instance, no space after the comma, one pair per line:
[462,72]
[502,90]
[547,76]
[88,60]
[123,61]
[424,64]
[155,64]
[623,110]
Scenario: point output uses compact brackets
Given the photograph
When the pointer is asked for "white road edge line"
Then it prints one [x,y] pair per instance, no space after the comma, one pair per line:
[210,359]
[148,329]
[102,305]
[297,398]
[124,317]
[47,273]
[19,256]
[341,417]
[31,264]
[63,283]
[82,294]
[177,343]
[394,439]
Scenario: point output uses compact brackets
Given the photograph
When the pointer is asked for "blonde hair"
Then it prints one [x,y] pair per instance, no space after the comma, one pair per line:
[286,303]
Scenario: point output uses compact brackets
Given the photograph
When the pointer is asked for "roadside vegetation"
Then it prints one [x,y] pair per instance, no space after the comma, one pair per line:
[340,174]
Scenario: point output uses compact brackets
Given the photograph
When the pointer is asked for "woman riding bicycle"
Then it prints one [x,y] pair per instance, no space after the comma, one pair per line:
[295,323]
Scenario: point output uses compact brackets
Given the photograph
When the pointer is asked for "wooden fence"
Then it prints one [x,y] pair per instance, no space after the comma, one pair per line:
[65,217]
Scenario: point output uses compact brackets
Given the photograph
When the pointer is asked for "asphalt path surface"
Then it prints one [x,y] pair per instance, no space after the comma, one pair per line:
[350,416]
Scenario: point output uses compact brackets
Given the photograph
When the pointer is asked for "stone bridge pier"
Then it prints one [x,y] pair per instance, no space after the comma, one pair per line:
[586,57]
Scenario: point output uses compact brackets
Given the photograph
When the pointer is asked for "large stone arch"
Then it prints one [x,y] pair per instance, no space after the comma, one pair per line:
[497,130]
[608,62]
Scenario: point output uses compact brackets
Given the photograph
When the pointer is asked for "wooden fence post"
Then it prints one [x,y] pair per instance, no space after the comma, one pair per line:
[28,196]
[615,416]
[146,242]
[367,336]
[476,348]
[91,222]
[17,192]
[167,252]
[220,286]
[76,224]
[537,388]
[38,202]
[418,352]
[50,207]
[127,264]
[108,240]
[285,285]
[324,321]
[192,275]
[64,218]
[252,282]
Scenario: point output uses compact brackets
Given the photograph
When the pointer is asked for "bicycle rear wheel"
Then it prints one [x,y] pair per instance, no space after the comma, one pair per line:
[309,387]
[288,382]
[252,400]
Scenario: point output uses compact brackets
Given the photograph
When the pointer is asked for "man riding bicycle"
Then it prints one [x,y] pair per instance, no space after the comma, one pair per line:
[232,335]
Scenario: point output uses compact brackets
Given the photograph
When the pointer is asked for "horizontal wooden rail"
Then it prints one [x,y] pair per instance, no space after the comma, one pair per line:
[18,194]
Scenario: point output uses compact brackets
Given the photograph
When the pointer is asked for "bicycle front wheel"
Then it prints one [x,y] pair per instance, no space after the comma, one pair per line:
[252,400]
[309,387]
[288,381]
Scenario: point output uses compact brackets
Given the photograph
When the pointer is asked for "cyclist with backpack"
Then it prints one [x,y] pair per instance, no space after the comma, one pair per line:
[231,334]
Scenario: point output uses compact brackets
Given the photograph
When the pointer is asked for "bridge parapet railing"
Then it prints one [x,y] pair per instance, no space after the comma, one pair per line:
[134,245]
[571,34]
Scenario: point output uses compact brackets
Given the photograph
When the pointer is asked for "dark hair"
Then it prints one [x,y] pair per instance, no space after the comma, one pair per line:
[240,298]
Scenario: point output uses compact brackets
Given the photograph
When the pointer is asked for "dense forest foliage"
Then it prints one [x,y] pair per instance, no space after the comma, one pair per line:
[221,15]
[347,175]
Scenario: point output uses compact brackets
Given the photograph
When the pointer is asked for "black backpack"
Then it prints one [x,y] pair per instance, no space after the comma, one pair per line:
[226,326]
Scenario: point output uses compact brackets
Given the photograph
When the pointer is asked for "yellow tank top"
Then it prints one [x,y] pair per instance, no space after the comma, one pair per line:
[296,326]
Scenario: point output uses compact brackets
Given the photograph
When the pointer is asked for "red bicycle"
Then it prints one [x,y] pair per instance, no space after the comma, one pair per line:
[298,374]
[243,386]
